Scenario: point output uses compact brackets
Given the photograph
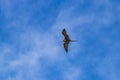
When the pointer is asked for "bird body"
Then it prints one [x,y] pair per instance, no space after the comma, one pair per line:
[66,40]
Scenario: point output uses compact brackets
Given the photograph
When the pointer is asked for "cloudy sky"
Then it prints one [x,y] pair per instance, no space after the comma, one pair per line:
[31,46]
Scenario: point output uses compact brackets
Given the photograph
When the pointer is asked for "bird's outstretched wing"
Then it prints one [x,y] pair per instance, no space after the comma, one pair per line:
[66,47]
[65,34]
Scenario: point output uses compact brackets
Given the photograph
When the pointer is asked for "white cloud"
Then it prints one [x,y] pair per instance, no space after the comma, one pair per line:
[46,47]
[72,73]
[43,51]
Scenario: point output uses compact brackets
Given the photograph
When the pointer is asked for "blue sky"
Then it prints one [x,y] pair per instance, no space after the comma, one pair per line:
[31,46]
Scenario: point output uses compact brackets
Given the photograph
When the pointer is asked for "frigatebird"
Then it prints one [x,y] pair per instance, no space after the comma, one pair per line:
[66,40]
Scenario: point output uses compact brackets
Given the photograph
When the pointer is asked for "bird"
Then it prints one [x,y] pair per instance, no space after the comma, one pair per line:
[66,40]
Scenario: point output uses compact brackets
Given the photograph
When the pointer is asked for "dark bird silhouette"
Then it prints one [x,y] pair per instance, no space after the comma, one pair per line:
[66,40]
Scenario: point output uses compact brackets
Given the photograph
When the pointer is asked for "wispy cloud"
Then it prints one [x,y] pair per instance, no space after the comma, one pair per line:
[33,52]
[102,16]
[72,73]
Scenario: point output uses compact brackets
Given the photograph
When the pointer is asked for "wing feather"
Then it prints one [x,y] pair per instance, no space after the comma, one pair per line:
[65,34]
[66,47]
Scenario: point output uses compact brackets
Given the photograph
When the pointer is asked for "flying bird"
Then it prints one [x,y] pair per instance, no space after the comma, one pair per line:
[66,40]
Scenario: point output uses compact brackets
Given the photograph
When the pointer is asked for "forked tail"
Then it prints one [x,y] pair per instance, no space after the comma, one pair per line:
[73,40]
